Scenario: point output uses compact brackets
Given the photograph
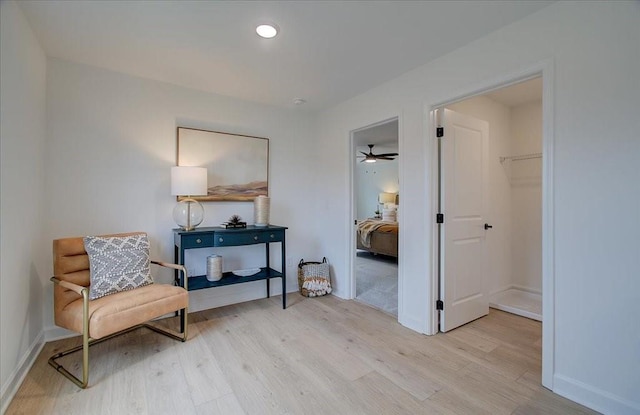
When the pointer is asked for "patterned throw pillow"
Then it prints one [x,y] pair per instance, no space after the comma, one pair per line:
[117,263]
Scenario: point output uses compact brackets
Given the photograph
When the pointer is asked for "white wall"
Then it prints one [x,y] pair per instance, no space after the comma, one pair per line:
[592,49]
[111,140]
[22,136]
[526,197]
[498,239]
[98,120]
[372,179]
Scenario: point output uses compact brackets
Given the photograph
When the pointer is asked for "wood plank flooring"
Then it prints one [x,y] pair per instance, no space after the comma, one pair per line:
[319,356]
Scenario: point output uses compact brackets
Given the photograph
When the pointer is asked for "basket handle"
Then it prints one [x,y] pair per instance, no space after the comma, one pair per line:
[302,263]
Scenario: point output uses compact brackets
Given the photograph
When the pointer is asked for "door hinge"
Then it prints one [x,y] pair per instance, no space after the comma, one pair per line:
[439,217]
[439,305]
[439,132]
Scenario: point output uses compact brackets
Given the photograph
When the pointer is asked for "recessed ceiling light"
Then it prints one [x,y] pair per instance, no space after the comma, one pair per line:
[299,101]
[267,31]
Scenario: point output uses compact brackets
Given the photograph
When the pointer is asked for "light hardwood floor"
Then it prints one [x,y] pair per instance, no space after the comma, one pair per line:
[319,356]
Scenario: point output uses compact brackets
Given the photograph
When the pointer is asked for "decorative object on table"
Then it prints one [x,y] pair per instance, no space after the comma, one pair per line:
[187,182]
[237,164]
[314,278]
[234,222]
[261,210]
[246,272]
[214,267]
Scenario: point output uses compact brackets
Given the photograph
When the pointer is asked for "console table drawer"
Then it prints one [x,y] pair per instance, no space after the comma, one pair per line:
[244,238]
[197,241]
[273,236]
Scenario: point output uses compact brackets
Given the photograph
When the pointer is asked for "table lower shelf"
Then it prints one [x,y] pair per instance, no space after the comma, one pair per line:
[199,282]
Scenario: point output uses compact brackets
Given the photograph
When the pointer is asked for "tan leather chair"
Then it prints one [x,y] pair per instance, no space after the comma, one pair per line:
[106,317]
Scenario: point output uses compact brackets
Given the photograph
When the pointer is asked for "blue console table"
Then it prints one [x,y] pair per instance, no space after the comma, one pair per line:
[216,237]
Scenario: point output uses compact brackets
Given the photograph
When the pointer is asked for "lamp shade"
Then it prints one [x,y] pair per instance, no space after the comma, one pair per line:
[188,181]
[386,197]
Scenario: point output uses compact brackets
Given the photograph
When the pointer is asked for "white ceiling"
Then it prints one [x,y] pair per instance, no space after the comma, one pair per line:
[518,94]
[326,52]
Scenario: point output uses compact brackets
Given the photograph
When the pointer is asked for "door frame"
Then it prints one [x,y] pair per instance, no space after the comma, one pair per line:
[545,70]
[352,212]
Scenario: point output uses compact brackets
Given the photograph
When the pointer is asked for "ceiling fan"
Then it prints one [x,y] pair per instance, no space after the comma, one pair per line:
[372,158]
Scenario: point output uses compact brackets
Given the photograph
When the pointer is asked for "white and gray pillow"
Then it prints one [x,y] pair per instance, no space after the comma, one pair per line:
[117,263]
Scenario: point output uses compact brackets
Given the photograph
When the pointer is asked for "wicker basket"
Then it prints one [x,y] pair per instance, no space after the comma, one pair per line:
[314,278]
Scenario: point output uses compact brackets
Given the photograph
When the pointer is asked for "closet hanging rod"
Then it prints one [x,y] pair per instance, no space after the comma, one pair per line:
[521,157]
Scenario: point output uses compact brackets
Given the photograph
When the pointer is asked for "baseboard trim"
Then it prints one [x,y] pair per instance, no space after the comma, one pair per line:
[515,287]
[414,324]
[526,289]
[501,289]
[14,381]
[596,399]
[53,333]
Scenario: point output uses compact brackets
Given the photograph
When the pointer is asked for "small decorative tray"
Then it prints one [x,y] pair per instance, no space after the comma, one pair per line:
[245,272]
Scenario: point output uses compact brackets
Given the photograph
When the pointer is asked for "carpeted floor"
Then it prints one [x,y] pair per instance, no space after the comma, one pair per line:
[377,281]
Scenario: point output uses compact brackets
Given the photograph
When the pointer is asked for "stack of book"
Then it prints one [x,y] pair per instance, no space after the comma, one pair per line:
[234,225]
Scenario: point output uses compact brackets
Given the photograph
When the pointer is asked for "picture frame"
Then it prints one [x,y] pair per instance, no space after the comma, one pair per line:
[237,165]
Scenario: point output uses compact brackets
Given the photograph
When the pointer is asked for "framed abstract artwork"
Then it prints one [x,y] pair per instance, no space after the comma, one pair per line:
[237,165]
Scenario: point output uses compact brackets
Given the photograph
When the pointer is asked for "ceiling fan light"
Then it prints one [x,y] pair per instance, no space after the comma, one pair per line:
[369,160]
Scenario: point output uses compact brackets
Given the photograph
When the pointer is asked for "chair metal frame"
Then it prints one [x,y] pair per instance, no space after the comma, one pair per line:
[88,342]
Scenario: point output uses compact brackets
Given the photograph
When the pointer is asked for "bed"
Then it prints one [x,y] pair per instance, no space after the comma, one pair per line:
[378,237]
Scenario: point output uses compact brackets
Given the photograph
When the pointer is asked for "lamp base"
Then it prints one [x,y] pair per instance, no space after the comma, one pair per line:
[188,214]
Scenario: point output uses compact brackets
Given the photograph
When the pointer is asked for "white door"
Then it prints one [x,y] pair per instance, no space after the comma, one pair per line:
[464,150]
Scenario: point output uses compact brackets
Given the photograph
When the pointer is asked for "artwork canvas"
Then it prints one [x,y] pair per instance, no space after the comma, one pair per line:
[237,165]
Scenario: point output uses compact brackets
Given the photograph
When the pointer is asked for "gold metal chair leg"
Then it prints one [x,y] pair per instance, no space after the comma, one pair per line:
[87,342]
[183,323]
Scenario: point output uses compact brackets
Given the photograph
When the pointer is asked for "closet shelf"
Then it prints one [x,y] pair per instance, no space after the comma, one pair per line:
[521,157]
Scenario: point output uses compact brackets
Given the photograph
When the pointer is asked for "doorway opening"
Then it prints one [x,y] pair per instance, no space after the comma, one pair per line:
[543,69]
[491,193]
[376,202]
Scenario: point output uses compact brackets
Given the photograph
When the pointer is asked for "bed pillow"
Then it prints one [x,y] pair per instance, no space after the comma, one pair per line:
[117,263]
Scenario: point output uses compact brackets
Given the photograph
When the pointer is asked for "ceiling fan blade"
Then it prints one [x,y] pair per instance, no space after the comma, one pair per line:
[365,154]
[385,158]
[386,155]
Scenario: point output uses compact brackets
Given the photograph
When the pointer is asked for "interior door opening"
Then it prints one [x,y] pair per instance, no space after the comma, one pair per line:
[491,197]
[376,204]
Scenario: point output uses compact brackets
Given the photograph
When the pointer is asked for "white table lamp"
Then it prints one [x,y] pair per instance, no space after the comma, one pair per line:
[187,182]
[385,197]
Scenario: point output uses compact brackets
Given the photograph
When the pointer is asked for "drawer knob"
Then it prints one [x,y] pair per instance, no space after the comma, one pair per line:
[255,238]
[198,240]
[221,239]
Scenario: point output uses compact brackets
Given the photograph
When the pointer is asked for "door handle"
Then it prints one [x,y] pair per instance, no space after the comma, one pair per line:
[487,226]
